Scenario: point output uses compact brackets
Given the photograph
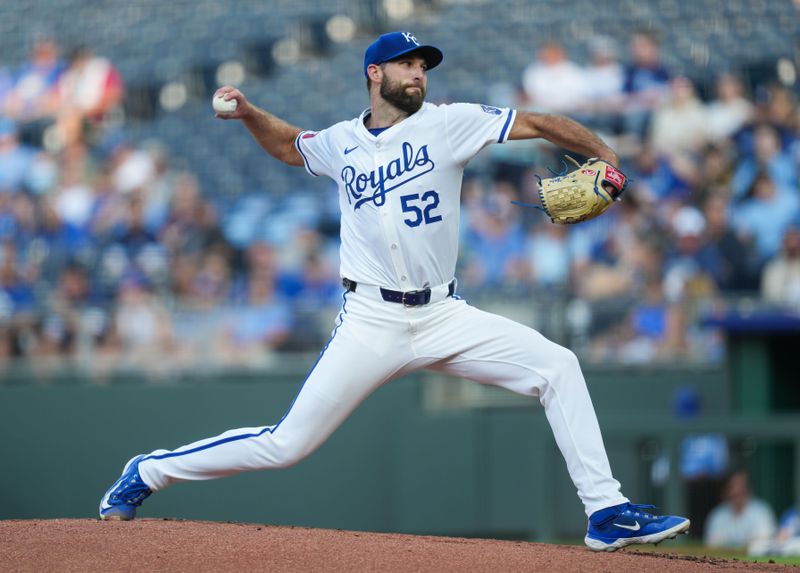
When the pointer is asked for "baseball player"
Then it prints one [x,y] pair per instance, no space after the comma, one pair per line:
[398,167]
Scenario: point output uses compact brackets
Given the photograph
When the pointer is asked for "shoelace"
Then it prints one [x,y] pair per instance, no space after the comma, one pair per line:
[638,510]
[135,493]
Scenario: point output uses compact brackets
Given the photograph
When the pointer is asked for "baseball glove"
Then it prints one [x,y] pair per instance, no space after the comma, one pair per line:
[582,194]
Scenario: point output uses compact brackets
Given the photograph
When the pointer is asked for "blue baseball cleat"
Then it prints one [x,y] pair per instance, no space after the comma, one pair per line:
[126,494]
[626,524]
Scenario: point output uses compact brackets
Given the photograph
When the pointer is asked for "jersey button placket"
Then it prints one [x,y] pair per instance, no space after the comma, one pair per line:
[391,218]
[386,221]
[395,251]
[393,240]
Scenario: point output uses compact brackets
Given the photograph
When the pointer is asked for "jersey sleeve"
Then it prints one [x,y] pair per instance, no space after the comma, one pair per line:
[471,127]
[315,148]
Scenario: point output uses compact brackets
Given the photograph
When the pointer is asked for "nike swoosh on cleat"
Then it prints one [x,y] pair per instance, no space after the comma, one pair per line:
[636,527]
[104,505]
[346,151]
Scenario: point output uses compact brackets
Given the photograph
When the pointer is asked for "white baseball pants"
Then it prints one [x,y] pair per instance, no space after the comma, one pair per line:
[375,341]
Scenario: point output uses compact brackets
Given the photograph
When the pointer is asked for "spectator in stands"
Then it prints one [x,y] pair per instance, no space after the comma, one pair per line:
[740,519]
[139,244]
[158,192]
[652,329]
[786,542]
[689,260]
[646,84]
[553,82]
[780,111]
[603,77]
[715,169]
[55,339]
[262,322]
[133,235]
[142,324]
[132,168]
[767,155]
[16,285]
[643,336]
[76,302]
[18,304]
[657,178]
[8,343]
[32,99]
[74,198]
[736,268]
[729,111]
[789,528]
[110,210]
[548,255]
[88,92]
[18,223]
[608,259]
[211,285]
[192,225]
[182,273]
[68,324]
[16,160]
[494,241]
[765,214]
[59,240]
[679,124]
[314,284]
[314,293]
[780,282]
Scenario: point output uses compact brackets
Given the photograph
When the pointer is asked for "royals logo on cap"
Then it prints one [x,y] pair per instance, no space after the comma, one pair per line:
[395,44]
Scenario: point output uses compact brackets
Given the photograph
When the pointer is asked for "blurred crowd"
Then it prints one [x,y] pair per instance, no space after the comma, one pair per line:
[711,215]
[743,521]
[112,256]
[108,251]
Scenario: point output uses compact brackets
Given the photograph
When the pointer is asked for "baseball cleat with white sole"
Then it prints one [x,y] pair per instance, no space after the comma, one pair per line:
[615,527]
[126,494]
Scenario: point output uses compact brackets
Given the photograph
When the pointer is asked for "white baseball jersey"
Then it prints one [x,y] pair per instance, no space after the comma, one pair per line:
[400,191]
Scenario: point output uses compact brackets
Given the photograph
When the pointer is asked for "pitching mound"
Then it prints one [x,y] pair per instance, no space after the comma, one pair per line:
[166,545]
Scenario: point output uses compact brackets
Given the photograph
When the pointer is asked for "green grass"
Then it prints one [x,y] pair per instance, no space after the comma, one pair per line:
[782,560]
[689,548]
[685,547]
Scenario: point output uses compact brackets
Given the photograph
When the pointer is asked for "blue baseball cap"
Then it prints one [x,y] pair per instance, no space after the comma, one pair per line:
[394,44]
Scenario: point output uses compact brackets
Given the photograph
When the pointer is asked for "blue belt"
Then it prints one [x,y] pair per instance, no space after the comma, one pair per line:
[406,298]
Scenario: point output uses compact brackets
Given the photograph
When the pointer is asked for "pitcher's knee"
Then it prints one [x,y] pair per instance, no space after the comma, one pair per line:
[285,451]
[565,369]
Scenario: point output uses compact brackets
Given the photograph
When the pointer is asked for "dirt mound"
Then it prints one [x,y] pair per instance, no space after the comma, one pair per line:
[88,545]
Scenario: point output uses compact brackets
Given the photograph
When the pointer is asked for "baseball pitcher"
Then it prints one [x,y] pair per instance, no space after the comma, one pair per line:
[399,167]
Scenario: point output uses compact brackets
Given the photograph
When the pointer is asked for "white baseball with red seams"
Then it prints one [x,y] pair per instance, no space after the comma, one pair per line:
[399,194]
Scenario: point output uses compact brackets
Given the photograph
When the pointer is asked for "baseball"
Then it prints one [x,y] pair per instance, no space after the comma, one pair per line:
[222,106]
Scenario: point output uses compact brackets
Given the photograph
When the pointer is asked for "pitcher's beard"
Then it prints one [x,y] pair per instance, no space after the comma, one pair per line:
[396,94]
